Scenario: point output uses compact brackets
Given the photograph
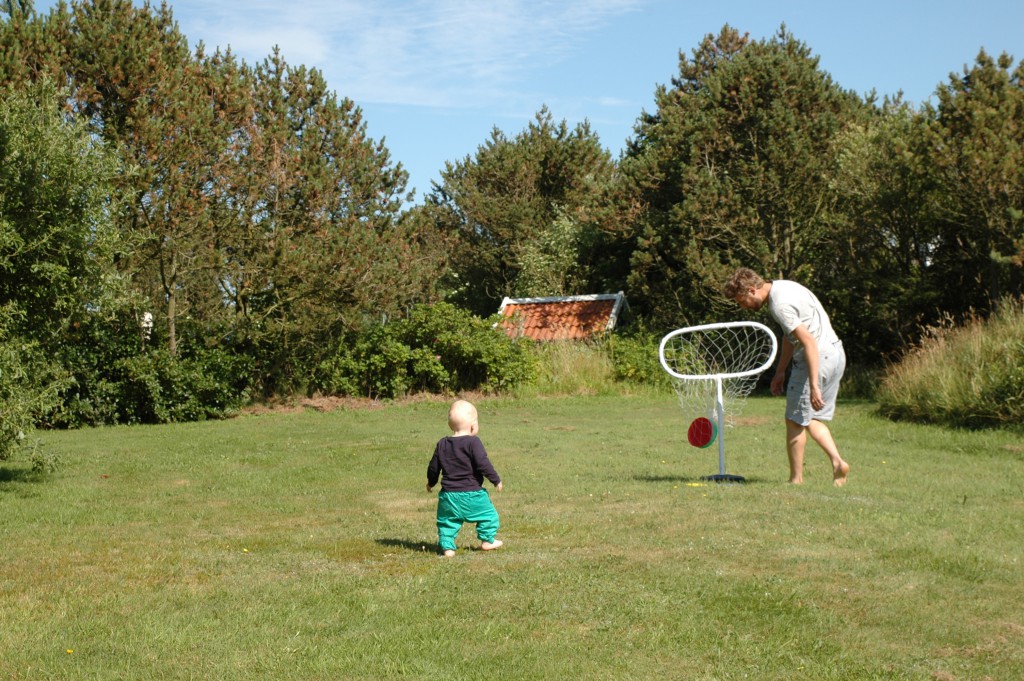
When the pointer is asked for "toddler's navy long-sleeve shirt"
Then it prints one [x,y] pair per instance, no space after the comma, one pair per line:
[461,463]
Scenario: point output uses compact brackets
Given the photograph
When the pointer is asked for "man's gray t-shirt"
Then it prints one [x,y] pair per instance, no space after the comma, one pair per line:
[792,304]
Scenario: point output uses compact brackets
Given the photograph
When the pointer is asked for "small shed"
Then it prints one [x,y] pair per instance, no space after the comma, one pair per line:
[562,317]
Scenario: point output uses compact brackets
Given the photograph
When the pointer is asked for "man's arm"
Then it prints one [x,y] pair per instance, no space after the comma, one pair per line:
[785,355]
[811,350]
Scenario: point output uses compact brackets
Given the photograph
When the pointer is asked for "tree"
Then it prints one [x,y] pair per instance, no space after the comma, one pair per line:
[885,239]
[733,168]
[976,150]
[550,264]
[55,214]
[30,49]
[262,217]
[308,224]
[142,90]
[501,205]
[56,249]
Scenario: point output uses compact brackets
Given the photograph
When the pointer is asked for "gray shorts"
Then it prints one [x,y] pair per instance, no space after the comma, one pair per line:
[831,365]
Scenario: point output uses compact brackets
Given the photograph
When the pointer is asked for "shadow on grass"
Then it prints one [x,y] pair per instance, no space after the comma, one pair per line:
[665,478]
[699,479]
[417,546]
[8,474]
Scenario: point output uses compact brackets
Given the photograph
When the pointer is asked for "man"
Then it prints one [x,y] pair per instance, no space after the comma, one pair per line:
[818,364]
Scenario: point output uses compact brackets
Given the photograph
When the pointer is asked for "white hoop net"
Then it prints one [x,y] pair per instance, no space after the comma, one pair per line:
[714,367]
[735,352]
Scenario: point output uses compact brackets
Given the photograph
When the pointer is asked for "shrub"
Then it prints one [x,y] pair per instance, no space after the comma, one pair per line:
[117,377]
[30,385]
[969,375]
[635,359]
[372,364]
[438,348]
[157,387]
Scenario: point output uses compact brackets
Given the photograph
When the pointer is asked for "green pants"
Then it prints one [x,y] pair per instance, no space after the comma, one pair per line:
[456,508]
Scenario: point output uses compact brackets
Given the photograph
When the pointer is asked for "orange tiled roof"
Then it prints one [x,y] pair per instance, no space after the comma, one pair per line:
[562,318]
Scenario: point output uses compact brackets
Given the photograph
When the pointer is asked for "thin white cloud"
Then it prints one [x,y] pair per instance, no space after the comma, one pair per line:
[445,53]
[614,102]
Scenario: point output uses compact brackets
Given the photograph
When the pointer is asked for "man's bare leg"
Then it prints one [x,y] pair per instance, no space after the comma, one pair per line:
[821,434]
[796,440]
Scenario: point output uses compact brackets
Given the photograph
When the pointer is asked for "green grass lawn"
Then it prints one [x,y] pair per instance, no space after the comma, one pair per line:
[302,546]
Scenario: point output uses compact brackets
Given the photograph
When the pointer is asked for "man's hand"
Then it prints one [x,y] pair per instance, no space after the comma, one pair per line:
[498,487]
[816,401]
[430,488]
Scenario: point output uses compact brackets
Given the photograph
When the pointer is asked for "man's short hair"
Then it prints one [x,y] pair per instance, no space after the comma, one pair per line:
[741,280]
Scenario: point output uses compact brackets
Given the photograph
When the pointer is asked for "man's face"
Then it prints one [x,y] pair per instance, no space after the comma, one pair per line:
[749,299]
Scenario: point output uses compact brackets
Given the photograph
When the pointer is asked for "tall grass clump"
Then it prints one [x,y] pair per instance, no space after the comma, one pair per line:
[572,368]
[606,365]
[969,375]
[860,382]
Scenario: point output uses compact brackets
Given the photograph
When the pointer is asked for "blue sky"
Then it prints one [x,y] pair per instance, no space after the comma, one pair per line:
[433,77]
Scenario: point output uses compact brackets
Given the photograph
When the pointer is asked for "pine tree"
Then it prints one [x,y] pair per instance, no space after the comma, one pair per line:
[502,204]
[977,155]
[733,168]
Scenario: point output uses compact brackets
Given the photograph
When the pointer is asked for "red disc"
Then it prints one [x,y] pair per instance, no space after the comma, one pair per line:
[702,432]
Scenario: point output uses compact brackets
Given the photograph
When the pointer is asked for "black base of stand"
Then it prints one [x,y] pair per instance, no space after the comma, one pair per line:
[724,477]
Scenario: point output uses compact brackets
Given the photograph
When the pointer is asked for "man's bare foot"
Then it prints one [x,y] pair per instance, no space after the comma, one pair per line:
[491,545]
[796,481]
[449,553]
[839,474]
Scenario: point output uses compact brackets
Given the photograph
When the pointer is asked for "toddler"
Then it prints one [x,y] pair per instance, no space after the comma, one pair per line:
[461,463]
